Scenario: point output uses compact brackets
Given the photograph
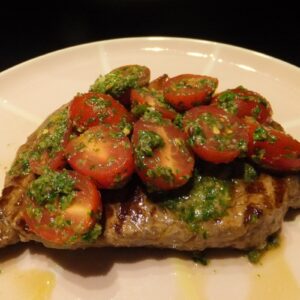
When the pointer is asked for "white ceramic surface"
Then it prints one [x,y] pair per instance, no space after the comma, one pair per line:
[32,90]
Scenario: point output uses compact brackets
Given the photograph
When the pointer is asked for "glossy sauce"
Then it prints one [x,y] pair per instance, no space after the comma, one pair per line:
[29,284]
[189,280]
[273,278]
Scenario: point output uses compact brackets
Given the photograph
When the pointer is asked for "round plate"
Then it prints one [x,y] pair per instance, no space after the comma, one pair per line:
[32,90]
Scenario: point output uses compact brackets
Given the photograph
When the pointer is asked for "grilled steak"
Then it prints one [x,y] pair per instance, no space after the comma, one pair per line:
[218,208]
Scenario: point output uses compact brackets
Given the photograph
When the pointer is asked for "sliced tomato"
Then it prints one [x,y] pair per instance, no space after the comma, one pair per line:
[48,148]
[273,149]
[187,90]
[215,135]
[159,82]
[66,226]
[242,102]
[103,153]
[119,81]
[162,158]
[91,109]
[152,98]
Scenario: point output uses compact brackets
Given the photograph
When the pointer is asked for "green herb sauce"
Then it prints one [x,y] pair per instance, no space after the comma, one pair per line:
[206,198]
[49,139]
[261,134]
[92,235]
[52,186]
[226,101]
[147,142]
[119,80]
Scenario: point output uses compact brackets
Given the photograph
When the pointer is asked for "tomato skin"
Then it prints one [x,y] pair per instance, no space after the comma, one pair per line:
[55,160]
[242,102]
[91,109]
[152,98]
[103,153]
[81,214]
[159,82]
[119,81]
[170,163]
[215,135]
[188,90]
[273,149]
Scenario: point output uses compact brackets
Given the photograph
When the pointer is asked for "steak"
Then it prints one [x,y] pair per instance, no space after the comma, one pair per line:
[133,217]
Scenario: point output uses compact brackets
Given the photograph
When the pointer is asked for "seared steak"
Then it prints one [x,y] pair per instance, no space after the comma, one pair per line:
[242,217]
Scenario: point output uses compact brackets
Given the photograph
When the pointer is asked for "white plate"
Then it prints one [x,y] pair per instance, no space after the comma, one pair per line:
[32,90]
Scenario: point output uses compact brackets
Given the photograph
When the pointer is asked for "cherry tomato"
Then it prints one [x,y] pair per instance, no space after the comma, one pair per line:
[91,109]
[103,153]
[162,158]
[215,135]
[187,90]
[242,102]
[159,83]
[66,225]
[119,81]
[152,98]
[48,148]
[273,149]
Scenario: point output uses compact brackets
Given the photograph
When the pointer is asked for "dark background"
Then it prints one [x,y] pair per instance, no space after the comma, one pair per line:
[28,30]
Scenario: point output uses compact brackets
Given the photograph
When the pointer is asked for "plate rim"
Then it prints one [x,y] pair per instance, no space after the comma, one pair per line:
[227,46]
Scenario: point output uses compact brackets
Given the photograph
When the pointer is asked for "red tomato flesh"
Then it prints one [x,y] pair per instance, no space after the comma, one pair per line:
[215,135]
[187,90]
[152,98]
[103,153]
[242,102]
[162,158]
[92,109]
[273,149]
[74,221]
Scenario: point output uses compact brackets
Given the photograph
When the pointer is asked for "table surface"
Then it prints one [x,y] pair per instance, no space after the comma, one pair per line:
[29,31]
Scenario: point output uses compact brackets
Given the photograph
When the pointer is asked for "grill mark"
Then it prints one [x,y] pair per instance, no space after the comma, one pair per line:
[131,208]
[252,213]
[256,187]
[279,191]
[23,225]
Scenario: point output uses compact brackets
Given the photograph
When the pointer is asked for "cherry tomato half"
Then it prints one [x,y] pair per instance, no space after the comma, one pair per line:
[162,158]
[103,153]
[187,90]
[215,135]
[66,226]
[273,149]
[119,81]
[152,98]
[242,102]
[91,109]
[48,148]
[159,82]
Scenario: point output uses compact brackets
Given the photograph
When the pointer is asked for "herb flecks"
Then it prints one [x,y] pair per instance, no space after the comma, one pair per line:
[119,80]
[255,255]
[49,141]
[261,134]
[92,235]
[52,186]
[207,198]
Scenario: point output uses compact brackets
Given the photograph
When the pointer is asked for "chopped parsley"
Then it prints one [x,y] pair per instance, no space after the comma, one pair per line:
[250,173]
[119,80]
[255,255]
[147,142]
[49,140]
[92,235]
[227,101]
[261,134]
[205,198]
[51,186]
